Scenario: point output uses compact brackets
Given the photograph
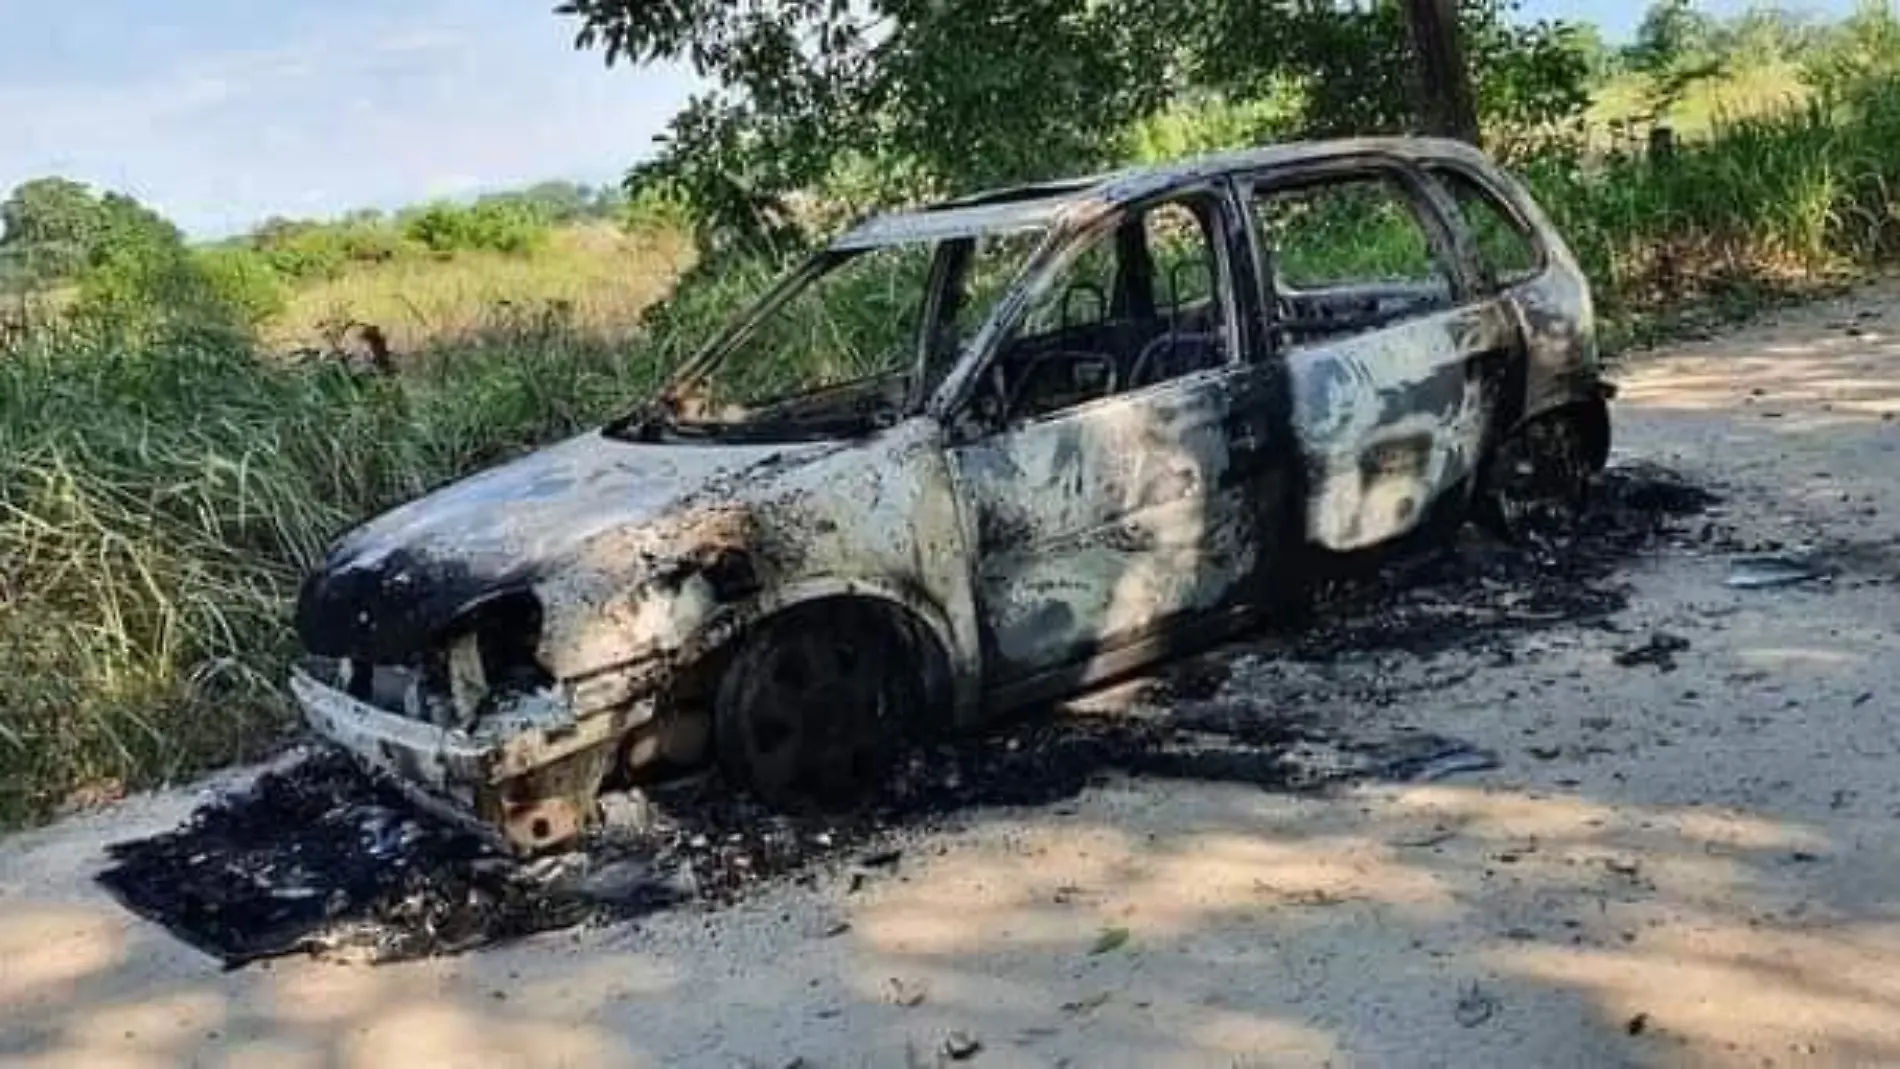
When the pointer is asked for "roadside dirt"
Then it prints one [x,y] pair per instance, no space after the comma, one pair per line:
[1686,855]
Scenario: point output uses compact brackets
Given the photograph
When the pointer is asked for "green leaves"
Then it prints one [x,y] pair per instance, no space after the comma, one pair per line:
[52,229]
[134,276]
[951,95]
[946,96]
[495,225]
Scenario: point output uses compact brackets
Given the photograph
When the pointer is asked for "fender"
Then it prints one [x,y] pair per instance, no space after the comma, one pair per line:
[961,663]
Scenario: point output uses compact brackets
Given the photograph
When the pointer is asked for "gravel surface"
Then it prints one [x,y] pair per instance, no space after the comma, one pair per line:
[1628,804]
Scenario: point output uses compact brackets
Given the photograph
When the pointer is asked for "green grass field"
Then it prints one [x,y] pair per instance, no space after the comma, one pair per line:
[1746,92]
[595,278]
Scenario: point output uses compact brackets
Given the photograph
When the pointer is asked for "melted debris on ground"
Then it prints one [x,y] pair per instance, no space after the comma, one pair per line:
[317,856]
[316,846]
[1478,591]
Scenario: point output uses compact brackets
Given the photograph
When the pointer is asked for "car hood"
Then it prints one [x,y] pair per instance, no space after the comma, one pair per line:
[390,584]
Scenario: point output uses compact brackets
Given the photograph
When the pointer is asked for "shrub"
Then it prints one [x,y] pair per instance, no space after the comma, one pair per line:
[309,252]
[52,229]
[301,251]
[139,294]
[498,226]
[1763,204]
[243,280]
[657,207]
[1209,125]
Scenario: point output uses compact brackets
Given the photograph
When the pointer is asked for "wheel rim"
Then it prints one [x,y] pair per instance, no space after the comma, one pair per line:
[816,717]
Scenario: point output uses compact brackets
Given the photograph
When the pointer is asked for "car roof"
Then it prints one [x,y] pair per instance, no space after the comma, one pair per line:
[1040,205]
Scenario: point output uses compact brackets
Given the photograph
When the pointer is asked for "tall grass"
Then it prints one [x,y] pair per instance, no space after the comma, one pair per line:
[158,502]
[157,508]
[1765,205]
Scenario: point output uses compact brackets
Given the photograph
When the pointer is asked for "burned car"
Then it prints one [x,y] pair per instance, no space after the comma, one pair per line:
[966,458]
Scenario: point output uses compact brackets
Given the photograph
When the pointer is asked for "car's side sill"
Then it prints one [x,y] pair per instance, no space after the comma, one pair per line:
[1129,659]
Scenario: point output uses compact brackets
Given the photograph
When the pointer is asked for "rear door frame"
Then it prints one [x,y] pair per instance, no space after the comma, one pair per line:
[1478,321]
[1443,227]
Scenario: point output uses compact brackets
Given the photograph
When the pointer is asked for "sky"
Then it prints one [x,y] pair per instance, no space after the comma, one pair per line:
[222,112]
[1620,17]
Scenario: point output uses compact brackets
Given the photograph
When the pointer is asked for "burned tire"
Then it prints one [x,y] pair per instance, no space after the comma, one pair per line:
[1537,485]
[809,712]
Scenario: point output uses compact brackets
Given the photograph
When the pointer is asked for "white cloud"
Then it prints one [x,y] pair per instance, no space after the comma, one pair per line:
[359,110]
[418,40]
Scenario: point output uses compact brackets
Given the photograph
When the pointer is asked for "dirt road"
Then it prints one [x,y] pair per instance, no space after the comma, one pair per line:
[1693,859]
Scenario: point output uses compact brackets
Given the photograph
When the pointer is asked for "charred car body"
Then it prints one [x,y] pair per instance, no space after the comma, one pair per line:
[966,458]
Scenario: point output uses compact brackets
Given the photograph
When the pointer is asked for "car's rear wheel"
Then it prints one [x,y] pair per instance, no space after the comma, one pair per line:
[809,711]
[1538,483]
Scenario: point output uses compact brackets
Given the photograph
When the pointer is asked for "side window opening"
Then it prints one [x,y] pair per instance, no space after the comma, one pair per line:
[852,327]
[1347,255]
[1082,297]
[1143,302]
[1184,264]
[1509,249]
[985,267]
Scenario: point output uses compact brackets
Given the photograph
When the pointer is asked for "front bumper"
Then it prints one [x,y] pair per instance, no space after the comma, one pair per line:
[529,782]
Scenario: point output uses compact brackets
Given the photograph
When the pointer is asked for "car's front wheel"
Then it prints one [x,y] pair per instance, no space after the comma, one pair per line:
[809,711]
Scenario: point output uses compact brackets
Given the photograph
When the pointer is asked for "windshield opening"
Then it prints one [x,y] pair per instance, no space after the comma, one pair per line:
[852,342]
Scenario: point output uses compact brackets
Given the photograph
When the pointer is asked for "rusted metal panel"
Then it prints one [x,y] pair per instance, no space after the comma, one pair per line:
[881,514]
[646,587]
[1391,419]
[445,762]
[1561,360]
[1077,202]
[1101,524]
[1556,311]
[938,224]
[513,635]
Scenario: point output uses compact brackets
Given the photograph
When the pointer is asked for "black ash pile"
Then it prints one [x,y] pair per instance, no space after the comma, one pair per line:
[316,854]
[319,857]
[1477,593]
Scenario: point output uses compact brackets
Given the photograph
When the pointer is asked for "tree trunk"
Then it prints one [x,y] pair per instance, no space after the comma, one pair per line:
[1450,105]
